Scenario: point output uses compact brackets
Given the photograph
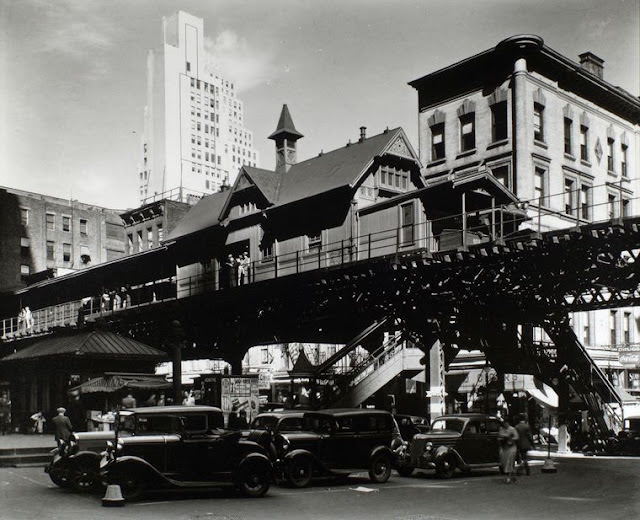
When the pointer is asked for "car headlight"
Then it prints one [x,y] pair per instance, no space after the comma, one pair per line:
[428,446]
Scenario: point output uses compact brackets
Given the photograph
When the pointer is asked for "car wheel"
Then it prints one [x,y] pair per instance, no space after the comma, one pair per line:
[406,471]
[299,472]
[84,476]
[446,467]
[131,485]
[254,482]
[380,467]
[60,478]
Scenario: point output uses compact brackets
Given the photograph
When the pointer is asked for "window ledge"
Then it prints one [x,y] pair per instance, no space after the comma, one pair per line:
[585,163]
[496,144]
[437,162]
[569,156]
[466,153]
[541,144]
[612,173]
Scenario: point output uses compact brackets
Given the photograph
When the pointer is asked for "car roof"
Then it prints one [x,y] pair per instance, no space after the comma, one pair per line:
[281,413]
[348,411]
[174,409]
[466,416]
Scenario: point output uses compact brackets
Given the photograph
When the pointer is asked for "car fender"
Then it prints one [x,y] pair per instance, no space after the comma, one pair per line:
[255,459]
[443,451]
[299,453]
[84,456]
[382,449]
[129,463]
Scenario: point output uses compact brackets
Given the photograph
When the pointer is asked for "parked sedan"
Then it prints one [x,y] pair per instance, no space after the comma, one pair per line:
[186,450]
[336,442]
[462,441]
[280,421]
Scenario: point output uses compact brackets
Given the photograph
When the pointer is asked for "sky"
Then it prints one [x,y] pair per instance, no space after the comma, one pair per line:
[72,72]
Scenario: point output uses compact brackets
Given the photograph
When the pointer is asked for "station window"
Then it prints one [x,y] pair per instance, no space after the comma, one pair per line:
[51,221]
[467,132]
[499,121]
[437,142]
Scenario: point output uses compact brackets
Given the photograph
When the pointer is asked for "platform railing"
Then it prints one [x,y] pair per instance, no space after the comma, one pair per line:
[457,231]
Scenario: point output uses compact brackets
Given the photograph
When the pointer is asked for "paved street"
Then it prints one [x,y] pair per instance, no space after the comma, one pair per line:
[583,488]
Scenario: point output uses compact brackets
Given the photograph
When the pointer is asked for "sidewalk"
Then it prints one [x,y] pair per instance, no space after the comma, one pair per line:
[21,440]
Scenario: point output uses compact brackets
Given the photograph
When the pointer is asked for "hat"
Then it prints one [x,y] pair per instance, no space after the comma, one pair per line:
[61,410]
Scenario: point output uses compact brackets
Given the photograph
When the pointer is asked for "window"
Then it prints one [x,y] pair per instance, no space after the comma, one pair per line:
[267,248]
[610,166]
[139,242]
[188,66]
[24,216]
[66,252]
[50,250]
[626,327]
[25,270]
[160,232]
[539,181]
[584,143]
[499,121]
[501,173]
[437,142]
[149,237]
[393,178]
[85,257]
[612,206]
[407,221]
[264,355]
[25,245]
[569,196]
[129,242]
[538,122]
[623,160]
[467,132]
[83,226]
[51,221]
[626,208]
[586,331]
[585,201]
[568,143]
[314,242]
[613,327]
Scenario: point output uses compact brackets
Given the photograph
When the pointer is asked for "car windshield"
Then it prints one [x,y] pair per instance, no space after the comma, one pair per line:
[127,422]
[455,425]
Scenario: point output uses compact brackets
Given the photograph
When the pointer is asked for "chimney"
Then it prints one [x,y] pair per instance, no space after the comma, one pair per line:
[363,133]
[591,63]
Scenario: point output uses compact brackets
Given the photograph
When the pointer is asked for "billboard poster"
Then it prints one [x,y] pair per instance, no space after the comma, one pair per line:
[239,394]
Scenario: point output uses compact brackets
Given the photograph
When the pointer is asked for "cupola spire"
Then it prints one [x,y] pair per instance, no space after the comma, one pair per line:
[285,137]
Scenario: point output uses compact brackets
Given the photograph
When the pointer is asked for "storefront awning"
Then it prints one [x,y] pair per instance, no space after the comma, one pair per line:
[543,394]
[112,382]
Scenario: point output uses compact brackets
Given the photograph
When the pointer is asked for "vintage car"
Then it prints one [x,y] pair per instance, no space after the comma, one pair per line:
[185,447]
[336,442]
[77,464]
[461,441]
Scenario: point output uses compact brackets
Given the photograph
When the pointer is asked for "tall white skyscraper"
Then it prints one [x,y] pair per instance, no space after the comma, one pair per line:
[194,138]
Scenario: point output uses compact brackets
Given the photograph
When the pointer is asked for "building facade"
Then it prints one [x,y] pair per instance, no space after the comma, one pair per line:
[555,133]
[194,138]
[46,236]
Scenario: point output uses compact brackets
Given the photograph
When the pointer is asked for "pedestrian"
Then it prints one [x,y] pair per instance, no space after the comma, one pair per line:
[62,428]
[128,401]
[38,422]
[245,262]
[5,413]
[230,267]
[161,400]
[28,319]
[525,442]
[239,270]
[508,438]
[105,301]
[152,401]
[22,324]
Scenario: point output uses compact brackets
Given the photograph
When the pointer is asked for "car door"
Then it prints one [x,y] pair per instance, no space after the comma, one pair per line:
[472,443]
[493,446]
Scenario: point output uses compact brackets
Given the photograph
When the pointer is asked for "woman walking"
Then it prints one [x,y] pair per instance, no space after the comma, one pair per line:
[508,437]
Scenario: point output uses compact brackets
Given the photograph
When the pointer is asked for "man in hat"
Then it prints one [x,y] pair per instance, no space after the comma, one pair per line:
[62,427]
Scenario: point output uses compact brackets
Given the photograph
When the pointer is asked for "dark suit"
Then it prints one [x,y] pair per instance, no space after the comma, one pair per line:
[63,428]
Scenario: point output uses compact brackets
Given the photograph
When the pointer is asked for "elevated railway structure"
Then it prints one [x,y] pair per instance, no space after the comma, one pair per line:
[491,295]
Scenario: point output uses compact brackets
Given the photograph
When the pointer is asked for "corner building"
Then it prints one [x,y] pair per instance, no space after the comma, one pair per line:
[556,134]
[194,138]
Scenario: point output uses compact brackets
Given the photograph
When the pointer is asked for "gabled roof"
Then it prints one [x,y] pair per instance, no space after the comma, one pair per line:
[265,180]
[302,367]
[205,214]
[92,344]
[335,169]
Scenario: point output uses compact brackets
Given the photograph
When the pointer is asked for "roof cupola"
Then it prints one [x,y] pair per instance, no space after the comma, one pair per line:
[285,136]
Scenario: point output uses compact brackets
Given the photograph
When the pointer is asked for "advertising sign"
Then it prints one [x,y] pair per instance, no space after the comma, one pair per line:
[239,394]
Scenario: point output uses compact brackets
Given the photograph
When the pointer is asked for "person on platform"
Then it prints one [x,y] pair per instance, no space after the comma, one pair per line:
[5,414]
[128,401]
[525,442]
[230,266]
[508,438]
[62,428]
